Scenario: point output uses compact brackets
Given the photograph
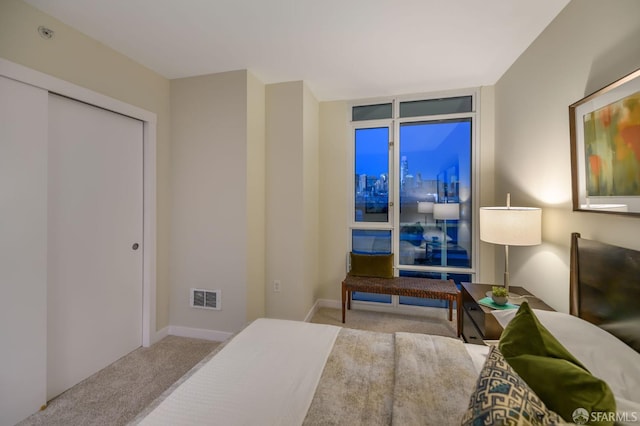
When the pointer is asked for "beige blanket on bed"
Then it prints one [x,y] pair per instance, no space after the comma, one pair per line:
[434,380]
[401,379]
[356,386]
[371,379]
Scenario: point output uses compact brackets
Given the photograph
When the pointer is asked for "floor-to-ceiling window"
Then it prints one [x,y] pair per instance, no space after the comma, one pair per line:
[413,187]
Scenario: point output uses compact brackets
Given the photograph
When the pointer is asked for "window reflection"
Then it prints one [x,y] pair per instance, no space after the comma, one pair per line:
[435,183]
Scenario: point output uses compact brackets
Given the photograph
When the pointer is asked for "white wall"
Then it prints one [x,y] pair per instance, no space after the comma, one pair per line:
[292,145]
[74,57]
[589,45]
[209,204]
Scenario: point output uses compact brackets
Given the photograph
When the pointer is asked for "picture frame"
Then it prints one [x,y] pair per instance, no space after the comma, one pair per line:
[604,131]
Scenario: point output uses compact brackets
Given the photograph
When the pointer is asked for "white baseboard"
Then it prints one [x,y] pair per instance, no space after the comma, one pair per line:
[199,333]
[312,311]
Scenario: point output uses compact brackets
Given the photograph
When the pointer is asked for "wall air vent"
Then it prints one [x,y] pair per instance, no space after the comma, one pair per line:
[206,299]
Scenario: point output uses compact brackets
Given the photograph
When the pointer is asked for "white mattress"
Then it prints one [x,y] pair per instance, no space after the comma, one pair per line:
[238,390]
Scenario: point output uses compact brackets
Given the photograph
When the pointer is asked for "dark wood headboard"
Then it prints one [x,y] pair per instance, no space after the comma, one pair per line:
[605,287]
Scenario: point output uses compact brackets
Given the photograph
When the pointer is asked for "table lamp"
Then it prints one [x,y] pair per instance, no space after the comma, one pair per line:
[425,207]
[510,226]
[444,212]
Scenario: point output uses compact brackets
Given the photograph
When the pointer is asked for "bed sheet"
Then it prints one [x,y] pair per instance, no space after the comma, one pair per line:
[267,374]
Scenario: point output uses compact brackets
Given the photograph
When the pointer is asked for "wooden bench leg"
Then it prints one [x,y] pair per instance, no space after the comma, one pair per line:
[344,296]
[450,301]
[459,312]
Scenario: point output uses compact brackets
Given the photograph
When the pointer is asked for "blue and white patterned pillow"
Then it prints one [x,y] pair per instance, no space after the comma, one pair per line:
[503,398]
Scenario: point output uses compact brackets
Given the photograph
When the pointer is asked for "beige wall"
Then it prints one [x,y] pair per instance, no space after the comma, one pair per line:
[292,144]
[310,192]
[209,232]
[334,197]
[589,45]
[76,58]
[256,198]
[486,176]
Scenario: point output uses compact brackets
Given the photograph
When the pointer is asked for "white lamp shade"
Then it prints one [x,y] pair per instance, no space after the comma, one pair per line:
[446,211]
[425,206]
[511,226]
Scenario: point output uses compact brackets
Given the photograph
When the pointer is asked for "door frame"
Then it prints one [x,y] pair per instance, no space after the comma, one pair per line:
[55,85]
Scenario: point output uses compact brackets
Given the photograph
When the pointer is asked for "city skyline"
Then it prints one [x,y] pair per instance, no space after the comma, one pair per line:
[411,185]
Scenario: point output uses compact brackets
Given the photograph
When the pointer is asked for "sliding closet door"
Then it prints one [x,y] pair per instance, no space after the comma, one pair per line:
[95,197]
[23,249]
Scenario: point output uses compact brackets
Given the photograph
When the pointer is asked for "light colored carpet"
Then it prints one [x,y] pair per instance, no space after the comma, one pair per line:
[116,394]
[436,321]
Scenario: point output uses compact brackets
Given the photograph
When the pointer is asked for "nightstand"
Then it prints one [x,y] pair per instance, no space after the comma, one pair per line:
[477,322]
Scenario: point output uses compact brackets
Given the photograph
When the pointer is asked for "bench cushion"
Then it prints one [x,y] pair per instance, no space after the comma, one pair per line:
[372,265]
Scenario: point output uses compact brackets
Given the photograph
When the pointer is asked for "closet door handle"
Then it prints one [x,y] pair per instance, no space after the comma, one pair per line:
[135,246]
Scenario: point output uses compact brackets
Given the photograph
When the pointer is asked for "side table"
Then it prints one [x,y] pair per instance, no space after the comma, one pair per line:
[478,324]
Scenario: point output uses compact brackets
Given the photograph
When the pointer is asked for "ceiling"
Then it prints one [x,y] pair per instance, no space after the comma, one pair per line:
[342,49]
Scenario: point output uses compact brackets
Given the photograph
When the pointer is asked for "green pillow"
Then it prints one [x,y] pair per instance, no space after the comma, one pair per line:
[501,397]
[556,376]
[372,265]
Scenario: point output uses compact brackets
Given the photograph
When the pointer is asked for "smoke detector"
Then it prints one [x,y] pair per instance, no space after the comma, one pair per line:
[46,33]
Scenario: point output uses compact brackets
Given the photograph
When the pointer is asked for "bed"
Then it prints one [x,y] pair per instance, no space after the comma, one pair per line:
[278,372]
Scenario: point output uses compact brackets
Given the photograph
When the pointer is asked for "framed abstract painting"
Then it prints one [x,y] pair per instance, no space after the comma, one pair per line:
[605,148]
